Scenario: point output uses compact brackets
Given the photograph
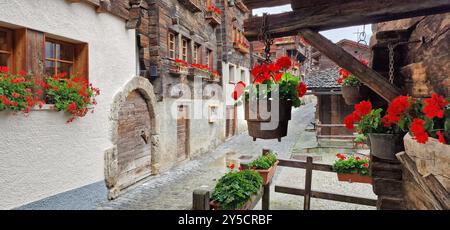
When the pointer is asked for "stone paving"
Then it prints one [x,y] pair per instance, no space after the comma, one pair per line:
[173,190]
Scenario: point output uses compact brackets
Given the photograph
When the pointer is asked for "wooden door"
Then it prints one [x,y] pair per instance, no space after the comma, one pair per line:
[230,129]
[182,133]
[134,147]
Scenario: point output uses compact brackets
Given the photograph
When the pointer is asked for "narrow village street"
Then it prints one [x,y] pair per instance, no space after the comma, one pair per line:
[172,190]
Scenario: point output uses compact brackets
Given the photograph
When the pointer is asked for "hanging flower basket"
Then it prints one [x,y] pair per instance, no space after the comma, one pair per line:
[256,125]
[351,94]
[385,146]
[271,79]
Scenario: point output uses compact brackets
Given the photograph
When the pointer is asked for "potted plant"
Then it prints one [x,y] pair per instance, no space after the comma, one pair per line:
[360,141]
[273,86]
[353,169]
[266,166]
[350,86]
[236,190]
[385,138]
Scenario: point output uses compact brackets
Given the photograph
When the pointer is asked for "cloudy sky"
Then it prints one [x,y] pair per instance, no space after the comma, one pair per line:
[334,35]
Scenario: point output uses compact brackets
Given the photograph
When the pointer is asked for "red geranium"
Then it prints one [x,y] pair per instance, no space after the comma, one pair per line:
[398,107]
[301,88]
[238,90]
[349,122]
[418,130]
[434,107]
[284,62]
[441,137]
[362,109]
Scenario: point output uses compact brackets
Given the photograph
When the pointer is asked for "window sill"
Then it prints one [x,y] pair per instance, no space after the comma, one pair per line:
[45,107]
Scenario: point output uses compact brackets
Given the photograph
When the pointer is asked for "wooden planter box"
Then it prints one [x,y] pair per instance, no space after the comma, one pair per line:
[213,18]
[241,48]
[177,69]
[267,174]
[354,178]
[250,204]
[195,72]
[430,158]
[192,5]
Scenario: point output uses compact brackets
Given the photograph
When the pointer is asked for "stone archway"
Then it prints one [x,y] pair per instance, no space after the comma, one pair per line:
[138,91]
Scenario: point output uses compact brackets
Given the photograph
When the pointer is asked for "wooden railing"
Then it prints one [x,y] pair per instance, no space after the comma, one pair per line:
[201,198]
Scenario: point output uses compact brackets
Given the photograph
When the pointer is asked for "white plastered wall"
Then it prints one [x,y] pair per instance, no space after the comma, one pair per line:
[41,155]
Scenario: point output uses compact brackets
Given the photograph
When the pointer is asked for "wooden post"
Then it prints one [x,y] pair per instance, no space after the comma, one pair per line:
[266,197]
[200,200]
[266,151]
[308,179]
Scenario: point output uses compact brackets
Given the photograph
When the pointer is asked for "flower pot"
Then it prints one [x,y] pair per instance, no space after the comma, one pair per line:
[351,94]
[267,174]
[214,205]
[274,127]
[430,158]
[354,178]
[385,146]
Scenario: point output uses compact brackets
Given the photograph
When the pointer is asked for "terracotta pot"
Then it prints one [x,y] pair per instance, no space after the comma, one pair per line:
[267,174]
[351,94]
[257,125]
[354,178]
[385,146]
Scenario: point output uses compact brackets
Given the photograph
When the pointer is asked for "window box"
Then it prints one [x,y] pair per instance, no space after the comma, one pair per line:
[196,72]
[178,68]
[192,5]
[213,17]
[242,7]
[241,47]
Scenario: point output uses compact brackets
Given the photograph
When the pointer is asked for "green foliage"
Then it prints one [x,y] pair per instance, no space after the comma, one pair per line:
[235,188]
[352,164]
[361,138]
[351,81]
[16,92]
[373,123]
[264,162]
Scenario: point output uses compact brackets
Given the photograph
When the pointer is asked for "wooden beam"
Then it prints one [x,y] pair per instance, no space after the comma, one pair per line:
[335,14]
[366,75]
[254,4]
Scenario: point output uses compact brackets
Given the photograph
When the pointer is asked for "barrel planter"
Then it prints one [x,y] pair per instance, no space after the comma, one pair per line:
[354,178]
[256,122]
[351,94]
[430,158]
[385,146]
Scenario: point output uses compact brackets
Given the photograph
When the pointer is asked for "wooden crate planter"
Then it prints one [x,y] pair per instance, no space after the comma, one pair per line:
[432,158]
[242,7]
[241,47]
[249,205]
[192,5]
[354,178]
[268,174]
[213,18]
[176,69]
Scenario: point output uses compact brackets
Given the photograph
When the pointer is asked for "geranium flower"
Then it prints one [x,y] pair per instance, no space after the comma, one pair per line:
[349,122]
[441,137]
[301,88]
[15,95]
[366,165]
[232,166]
[284,62]
[238,90]
[397,107]
[418,130]
[362,109]
[434,107]
[4,69]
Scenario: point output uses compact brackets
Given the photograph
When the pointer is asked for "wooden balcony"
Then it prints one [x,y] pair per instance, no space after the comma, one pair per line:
[241,47]
[192,5]
[213,18]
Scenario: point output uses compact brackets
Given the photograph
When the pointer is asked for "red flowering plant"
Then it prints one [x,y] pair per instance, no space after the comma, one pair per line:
[347,78]
[16,91]
[181,63]
[421,118]
[370,120]
[289,87]
[73,95]
[352,164]
[213,8]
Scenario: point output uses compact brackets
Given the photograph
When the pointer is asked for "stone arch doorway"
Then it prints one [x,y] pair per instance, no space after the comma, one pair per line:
[135,137]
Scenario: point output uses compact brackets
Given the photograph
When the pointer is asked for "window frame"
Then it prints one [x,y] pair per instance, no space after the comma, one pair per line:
[209,58]
[56,60]
[10,46]
[184,49]
[172,43]
[196,54]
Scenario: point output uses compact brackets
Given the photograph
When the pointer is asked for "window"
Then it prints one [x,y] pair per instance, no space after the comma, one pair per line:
[231,73]
[209,58]
[172,39]
[184,50]
[291,53]
[243,77]
[59,57]
[196,54]
[5,47]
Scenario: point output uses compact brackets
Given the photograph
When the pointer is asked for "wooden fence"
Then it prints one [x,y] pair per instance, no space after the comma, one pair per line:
[201,198]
